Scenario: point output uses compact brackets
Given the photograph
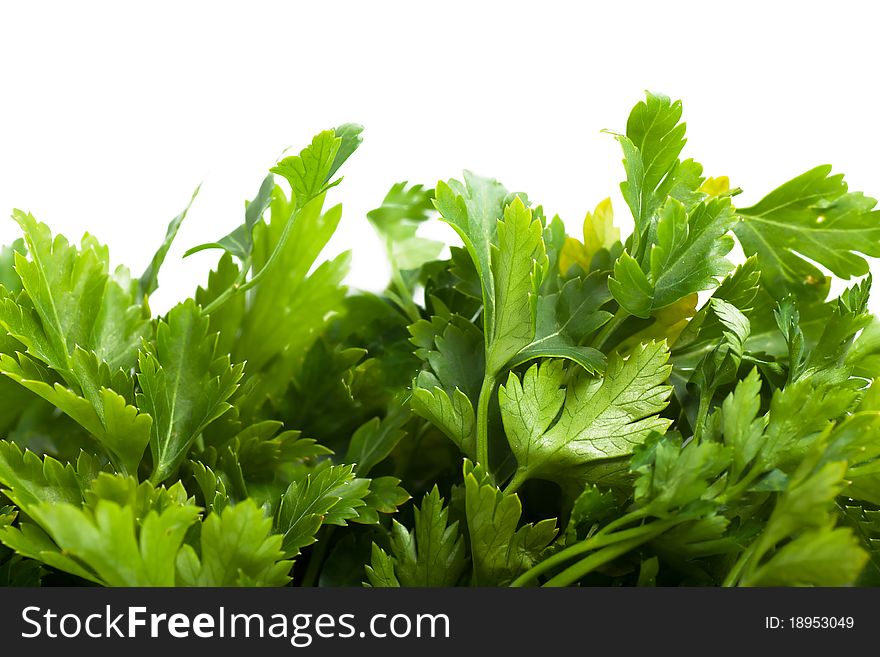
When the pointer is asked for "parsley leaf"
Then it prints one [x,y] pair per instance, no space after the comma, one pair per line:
[554,431]
[185,385]
[813,215]
[433,554]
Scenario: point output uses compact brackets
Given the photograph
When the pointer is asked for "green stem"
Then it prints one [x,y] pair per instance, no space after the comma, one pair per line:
[486,391]
[752,555]
[703,412]
[405,294]
[241,283]
[622,521]
[862,470]
[741,486]
[602,538]
[518,479]
[585,566]
[573,573]
[739,566]
[316,558]
[408,306]
[230,291]
[610,327]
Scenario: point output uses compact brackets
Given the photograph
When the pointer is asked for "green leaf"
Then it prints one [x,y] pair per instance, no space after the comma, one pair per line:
[380,570]
[673,475]
[184,385]
[590,508]
[826,557]
[815,552]
[385,496]
[142,497]
[149,280]
[704,331]
[720,366]
[788,320]
[800,412]
[64,285]
[499,549]
[212,487]
[866,524]
[238,548]
[446,395]
[592,360]
[288,308]
[552,430]
[375,439]
[8,276]
[690,249]
[452,348]
[454,415]
[84,325]
[849,317]
[27,479]
[117,550]
[402,211]
[742,427]
[72,304]
[806,502]
[813,217]
[240,242]
[226,320]
[332,496]
[473,210]
[432,554]
[309,172]
[577,312]
[631,287]
[856,440]
[518,265]
[120,428]
[687,255]
[350,138]
[864,353]
[651,147]
[30,541]
[21,571]
[566,319]
[264,453]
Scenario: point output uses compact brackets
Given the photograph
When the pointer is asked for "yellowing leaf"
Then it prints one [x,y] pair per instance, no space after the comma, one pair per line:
[716,186]
[599,229]
[599,233]
[672,319]
[572,253]
[669,322]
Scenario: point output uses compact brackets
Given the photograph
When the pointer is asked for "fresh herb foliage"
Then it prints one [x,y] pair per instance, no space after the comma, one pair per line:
[562,410]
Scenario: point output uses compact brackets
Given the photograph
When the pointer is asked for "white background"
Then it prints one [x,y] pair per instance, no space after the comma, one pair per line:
[111,112]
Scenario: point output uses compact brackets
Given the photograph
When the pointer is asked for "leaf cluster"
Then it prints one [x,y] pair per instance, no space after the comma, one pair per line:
[562,409]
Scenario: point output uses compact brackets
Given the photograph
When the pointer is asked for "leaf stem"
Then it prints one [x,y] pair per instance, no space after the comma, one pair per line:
[241,283]
[610,326]
[486,390]
[518,479]
[706,395]
[405,294]
[316,558]
[230,291]
[735,572]
[585,566]
[604,537]
[743,484]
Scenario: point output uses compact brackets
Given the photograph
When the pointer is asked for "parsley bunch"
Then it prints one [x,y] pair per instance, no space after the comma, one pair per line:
[565,410]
